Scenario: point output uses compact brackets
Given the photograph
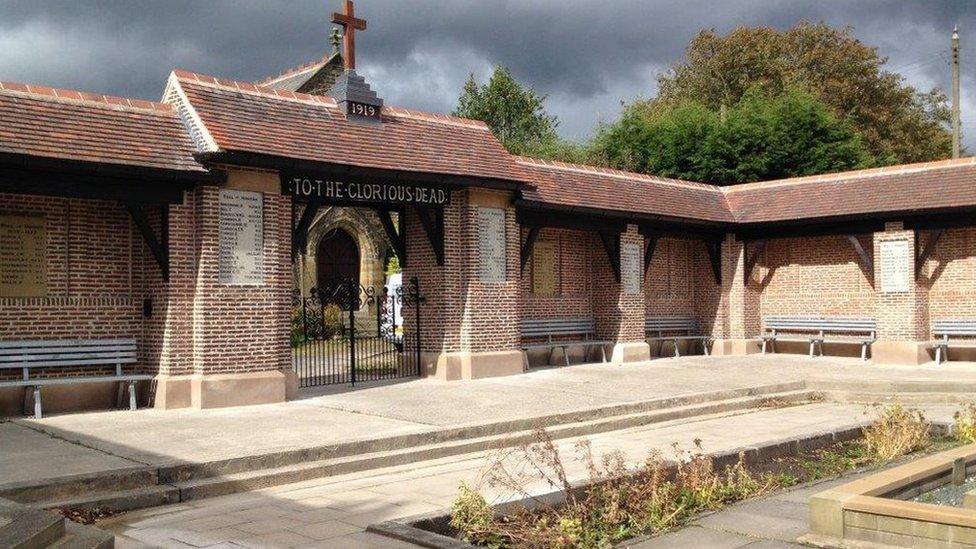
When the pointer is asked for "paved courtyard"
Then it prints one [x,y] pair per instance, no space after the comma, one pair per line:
[99,441]
[334,512]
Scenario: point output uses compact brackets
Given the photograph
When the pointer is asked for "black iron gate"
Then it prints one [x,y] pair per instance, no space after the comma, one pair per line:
[348,333]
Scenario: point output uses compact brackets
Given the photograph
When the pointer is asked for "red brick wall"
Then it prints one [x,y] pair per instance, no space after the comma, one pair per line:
[619,316]
[669,282]
[950,275]
[97,271]
[812,277]
[573,267]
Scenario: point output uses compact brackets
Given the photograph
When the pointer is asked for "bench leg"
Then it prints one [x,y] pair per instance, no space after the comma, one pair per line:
[37,402]
[132,395]
[705,348]
[764,346]
[812,346]
[566,355]
[864,351]
[677,353]
[603,353]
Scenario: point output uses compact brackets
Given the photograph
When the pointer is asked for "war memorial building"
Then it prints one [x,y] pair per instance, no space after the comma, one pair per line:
[227,245]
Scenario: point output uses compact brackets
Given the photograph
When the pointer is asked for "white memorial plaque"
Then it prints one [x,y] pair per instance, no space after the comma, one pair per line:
[241,237]
[630,268]
[895,259]
[491,244]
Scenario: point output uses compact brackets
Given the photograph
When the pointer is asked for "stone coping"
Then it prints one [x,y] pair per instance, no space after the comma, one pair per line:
[868,495]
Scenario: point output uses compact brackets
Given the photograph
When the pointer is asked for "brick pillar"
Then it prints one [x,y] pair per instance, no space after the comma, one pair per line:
[240,333]
[901,303]
[469,326]
[739,301]
[618,311]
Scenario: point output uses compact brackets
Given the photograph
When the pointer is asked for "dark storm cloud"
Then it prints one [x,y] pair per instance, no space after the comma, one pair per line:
[587,55]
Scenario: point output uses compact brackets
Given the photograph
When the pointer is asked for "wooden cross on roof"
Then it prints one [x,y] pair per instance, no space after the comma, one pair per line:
[350,24]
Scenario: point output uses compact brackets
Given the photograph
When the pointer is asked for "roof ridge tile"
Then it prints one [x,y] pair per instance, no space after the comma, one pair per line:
[82,97]
[855,174]
[613,172]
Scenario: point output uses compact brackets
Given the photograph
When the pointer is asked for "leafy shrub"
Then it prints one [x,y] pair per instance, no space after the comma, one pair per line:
[895,432]
[965,423]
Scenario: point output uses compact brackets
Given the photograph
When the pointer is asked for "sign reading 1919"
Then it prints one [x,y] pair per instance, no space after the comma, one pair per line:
[362,109]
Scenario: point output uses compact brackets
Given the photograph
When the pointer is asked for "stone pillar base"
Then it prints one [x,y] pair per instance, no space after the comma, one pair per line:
[464,365]
[222,390]
[735,347]
[630,352]
[909,353]
[172,392]
[291,384]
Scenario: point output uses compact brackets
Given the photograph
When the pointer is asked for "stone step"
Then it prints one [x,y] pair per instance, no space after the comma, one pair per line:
[78,536]
[184,472]
[24,527]
[202,487]
[913,398]
[27,527]
[118,500]
[35,490]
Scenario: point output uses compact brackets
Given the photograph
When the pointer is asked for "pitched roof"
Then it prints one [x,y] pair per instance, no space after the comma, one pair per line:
[583,186]
[245,118]
[926,186]
[306,76]
[49,123]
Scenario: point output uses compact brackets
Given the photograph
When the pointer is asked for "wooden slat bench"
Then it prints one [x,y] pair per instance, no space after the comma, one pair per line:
[944,329]
[819,330]
[580,330]
[29,356]
[661,329]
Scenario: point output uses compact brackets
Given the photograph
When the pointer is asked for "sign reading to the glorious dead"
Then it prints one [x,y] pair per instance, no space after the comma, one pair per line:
[345,192]
[895,259]
[23,267]
[491,245]
[630,269]
[241,237]
[544,268]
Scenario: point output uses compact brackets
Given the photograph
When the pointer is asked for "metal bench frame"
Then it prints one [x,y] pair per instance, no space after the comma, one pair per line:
[821,328]
[549,327]
[38,354]
[688,325]
[965,327]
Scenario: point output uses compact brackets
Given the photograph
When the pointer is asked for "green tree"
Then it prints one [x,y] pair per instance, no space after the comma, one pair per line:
[515,114]
[895,121]
[760,137]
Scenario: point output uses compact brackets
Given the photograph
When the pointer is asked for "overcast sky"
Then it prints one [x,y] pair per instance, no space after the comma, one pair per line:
[587,55]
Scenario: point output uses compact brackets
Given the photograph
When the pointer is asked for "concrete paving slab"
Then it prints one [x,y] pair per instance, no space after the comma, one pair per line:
[333,415]
[28,455]
[770,519]
[165,437]
[694,536]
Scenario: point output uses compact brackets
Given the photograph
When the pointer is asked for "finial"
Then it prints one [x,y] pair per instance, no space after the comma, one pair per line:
[336,38]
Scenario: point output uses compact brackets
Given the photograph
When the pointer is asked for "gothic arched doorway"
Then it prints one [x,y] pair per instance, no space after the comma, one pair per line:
[337,259]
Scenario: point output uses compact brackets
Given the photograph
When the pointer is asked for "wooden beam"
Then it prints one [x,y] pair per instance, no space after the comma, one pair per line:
[529,245]
[863,256]
[398,239]
[433,223]
[159,251]
[299,235]
[714,250]
[649,248]
[611,243]
[753,258]
[922,256]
